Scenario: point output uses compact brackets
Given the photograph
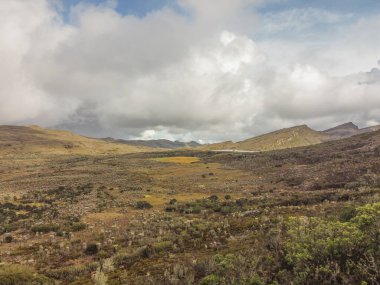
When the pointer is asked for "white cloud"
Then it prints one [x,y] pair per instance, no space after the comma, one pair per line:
[168,75]
[299,19]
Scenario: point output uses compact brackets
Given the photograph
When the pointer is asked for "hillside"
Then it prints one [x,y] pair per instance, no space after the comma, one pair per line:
[291,137]
[281,139]
[34,139]
[348,130]
[343,131]
[161,143]
[369,129]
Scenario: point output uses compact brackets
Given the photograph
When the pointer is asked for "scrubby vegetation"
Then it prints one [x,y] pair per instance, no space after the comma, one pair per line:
[299,216]
[21,275]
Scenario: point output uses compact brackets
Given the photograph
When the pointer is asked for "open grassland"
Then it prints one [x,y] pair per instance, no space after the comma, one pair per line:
[177,159]
[300,216]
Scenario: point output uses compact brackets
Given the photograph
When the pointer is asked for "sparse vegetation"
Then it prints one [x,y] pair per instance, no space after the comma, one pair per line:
[299,216]
[21,275]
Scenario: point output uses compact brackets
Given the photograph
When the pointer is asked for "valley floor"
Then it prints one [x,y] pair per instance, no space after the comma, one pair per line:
[300,216]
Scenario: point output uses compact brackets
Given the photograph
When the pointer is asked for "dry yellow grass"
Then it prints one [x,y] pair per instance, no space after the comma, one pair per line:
[177,159]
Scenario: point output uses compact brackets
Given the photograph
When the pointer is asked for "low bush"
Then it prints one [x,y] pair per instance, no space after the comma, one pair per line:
[69,273]
[91,249]
[8,239]
[21,275]
[143,205]
[335,252]
[45,228]
[162,246]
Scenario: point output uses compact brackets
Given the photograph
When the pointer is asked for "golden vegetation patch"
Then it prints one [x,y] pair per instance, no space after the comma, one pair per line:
[177,159]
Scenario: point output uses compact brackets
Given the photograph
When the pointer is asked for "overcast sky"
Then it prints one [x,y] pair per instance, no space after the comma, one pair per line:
[189,69]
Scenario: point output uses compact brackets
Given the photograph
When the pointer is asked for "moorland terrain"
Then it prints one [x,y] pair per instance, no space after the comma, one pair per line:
[75,210]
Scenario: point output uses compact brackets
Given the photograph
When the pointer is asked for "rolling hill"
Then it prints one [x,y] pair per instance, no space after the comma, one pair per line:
[281,139]
[34,139]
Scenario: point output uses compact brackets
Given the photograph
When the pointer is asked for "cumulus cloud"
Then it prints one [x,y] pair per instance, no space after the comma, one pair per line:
[199,74]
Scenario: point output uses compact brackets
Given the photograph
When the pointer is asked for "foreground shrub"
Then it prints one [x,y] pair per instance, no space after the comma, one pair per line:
[211,280]
[335,252]
[69,273]
[21,275]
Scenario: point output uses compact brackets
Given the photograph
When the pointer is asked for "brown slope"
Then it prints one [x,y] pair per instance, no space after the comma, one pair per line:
[285,138]
[369,129]
[348,130]
[281,139]
[34,140]
[343,131]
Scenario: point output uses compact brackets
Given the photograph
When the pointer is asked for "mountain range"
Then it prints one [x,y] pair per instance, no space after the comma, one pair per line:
[161,143]
[34,139]
[291,137]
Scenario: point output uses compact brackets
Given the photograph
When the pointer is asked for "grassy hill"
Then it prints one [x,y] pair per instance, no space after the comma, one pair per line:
[34,139]
[281,139]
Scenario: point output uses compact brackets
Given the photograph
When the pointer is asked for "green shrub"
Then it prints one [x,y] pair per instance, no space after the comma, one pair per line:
[128,258]
[256,281]
[91,249]
[143,205]
[213,198]
[45,228]
[76,227]
[69,273]
[162,246]
[211,280]
[21,275]
[326,252]
[347,214]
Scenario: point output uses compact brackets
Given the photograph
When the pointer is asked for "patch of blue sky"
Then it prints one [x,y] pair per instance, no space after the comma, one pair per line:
[311,19]
[139,8]
[357,7]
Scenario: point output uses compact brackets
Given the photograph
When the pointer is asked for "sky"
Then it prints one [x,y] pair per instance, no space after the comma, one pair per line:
[189,69]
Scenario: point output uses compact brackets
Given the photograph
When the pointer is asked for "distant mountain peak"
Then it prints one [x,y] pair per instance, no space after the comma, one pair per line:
[158,143]
[345,126]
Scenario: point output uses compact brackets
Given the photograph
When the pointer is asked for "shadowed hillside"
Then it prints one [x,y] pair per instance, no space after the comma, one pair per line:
[348,130]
